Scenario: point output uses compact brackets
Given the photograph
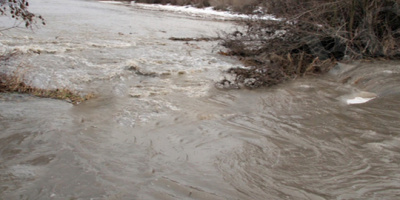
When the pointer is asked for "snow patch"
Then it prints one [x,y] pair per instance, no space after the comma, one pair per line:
[111,2]
[200,12]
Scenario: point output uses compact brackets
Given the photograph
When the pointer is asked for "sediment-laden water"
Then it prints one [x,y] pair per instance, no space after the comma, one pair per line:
[158,128]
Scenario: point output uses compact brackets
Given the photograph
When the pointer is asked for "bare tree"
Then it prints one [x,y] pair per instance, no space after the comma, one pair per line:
[18,9]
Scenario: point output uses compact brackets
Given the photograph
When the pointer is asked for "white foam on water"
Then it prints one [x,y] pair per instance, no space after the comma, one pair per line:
[359,97]
[358,100]
[388,72]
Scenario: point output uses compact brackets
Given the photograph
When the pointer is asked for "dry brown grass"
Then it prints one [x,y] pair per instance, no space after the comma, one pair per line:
[15,84]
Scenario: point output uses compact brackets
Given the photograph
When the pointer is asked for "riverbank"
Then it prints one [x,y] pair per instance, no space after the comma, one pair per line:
[195,11]
[299,43]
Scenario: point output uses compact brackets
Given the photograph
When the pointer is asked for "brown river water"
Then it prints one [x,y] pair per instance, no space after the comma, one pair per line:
[159,129]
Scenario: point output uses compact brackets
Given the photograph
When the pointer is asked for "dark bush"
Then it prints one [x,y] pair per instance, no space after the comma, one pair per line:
[367,28]
[312,35]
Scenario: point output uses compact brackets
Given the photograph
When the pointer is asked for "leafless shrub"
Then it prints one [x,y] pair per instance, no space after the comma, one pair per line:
[368,28]
[312,35]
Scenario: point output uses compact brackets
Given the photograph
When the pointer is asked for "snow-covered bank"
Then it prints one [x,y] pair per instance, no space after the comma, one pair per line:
[112,2]
[207,12]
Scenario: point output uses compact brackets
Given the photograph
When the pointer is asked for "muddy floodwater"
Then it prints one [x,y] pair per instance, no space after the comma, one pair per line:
[159,129]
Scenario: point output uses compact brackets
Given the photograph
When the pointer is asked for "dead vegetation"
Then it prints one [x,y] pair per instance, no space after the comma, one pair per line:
[15,84]
[310,38]
[18,10]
